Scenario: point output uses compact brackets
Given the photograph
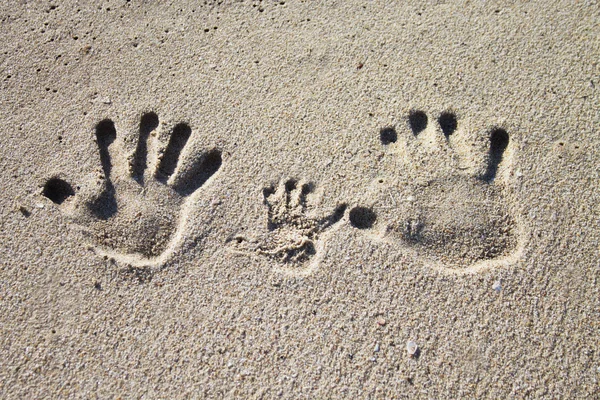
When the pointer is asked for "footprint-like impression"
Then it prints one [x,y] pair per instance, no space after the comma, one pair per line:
[444,196]
[135,211]
[293,237]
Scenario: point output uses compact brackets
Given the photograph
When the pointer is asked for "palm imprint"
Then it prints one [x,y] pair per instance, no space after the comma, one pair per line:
[293,237]
[135,210]
[444,200]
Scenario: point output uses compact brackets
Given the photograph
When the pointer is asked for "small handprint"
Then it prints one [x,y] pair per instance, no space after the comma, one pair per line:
[293,235]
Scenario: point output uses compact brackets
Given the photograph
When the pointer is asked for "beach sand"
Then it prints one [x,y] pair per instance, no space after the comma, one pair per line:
[281,199]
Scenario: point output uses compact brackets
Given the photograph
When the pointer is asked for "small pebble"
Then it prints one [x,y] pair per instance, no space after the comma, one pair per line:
[497,286]
[381,322]
[411,348]
[377,348]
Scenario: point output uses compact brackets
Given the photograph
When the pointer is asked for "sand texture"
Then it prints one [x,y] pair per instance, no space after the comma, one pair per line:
[300,199]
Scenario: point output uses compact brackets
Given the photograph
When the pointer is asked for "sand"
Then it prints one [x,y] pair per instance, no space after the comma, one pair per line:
[281,199]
